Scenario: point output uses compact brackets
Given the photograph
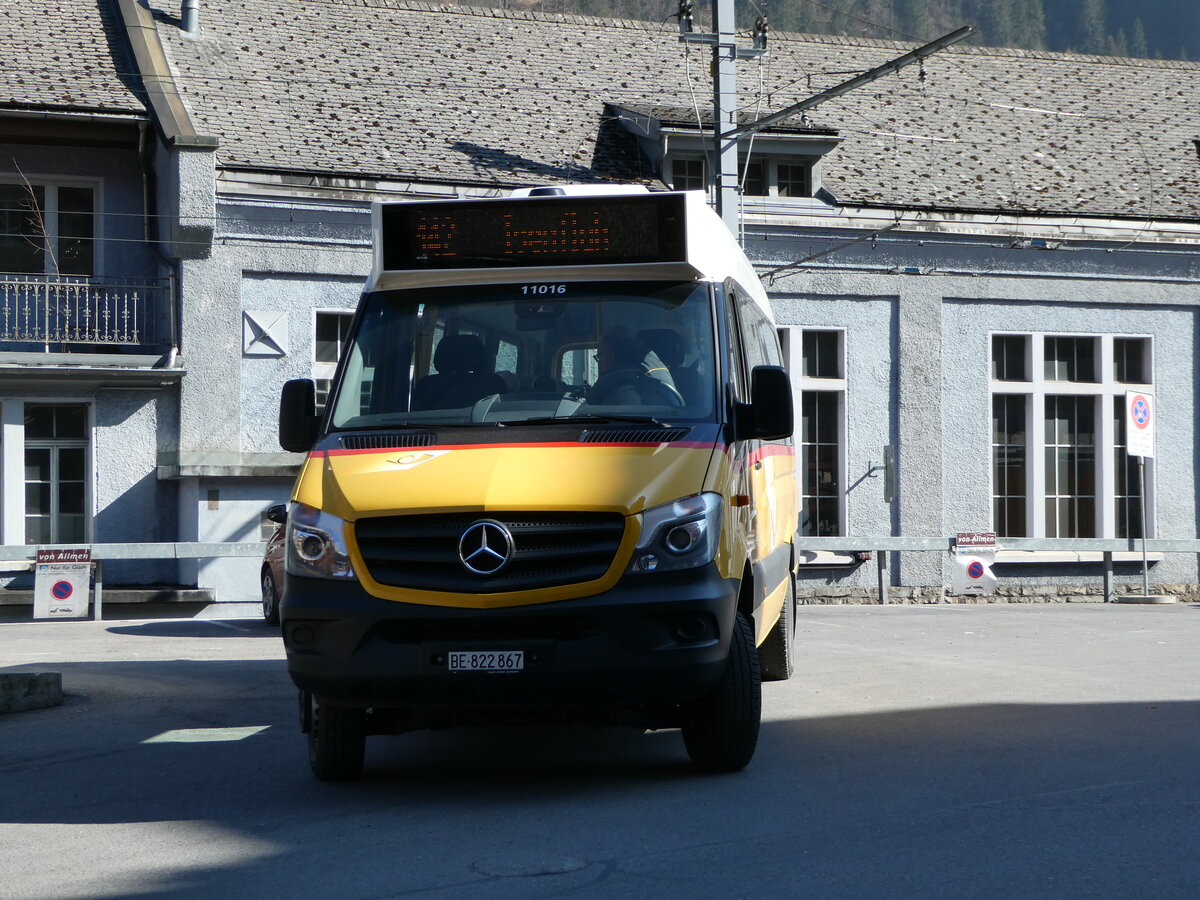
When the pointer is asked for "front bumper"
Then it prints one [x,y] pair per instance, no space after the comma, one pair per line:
[652,640]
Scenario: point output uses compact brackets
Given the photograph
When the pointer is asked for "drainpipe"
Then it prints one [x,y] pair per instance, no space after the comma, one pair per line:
[191,16]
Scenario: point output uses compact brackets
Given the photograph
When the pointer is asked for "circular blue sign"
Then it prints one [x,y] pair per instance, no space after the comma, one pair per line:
[62,590]
[975,569]
[1141,412]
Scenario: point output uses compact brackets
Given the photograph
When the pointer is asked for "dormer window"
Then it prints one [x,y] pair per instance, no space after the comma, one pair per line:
[793,179]
[784,162]
[752,177]
[762,177]
[688,174]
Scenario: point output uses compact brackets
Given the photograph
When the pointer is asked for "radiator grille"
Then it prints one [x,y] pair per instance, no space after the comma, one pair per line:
[549,549]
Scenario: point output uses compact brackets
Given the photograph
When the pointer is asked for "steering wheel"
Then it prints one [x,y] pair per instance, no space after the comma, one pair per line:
[650,391]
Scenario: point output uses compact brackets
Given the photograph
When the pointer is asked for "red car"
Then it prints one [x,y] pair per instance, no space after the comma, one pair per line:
[271,576]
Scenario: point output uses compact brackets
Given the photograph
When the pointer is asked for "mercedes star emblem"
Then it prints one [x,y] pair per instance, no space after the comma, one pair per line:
[485,547]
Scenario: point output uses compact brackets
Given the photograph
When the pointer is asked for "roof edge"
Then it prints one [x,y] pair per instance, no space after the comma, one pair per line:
[70,113]
[165,102]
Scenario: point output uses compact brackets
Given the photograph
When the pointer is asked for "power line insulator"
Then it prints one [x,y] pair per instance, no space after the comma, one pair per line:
[760,33]
[685,16]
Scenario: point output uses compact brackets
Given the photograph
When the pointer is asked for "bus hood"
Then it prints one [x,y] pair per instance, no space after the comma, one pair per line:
[624,478]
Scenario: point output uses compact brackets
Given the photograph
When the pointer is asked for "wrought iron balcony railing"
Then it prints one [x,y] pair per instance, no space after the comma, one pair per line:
[61,309]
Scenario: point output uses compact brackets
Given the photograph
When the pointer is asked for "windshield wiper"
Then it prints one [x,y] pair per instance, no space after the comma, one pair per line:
[586,420]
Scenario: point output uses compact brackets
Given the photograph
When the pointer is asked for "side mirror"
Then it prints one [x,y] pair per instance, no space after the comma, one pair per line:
[298,422]
[277,513]
[770,404]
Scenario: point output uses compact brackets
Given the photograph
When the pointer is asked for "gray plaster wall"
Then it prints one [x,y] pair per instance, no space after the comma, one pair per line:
[299,297]
[935,354]
[871,420]
[893,373]
[261,260]
[130,504]
[232,509]
[1115,308]
[186,200]
[297,275]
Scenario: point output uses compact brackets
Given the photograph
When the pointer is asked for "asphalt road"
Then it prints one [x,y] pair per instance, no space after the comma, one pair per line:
[981,751]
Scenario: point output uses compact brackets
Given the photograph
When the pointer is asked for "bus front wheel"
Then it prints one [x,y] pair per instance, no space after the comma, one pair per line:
[720,730]
[337,741]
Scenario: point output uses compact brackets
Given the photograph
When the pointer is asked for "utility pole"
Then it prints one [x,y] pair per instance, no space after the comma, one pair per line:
[726,53]
[725,115]
[726,131]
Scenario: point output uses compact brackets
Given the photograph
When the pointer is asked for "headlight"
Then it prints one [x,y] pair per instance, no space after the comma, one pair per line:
[316,544]
[678,535]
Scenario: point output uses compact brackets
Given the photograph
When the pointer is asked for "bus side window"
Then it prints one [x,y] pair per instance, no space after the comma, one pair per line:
[736,369]
[751,320]
[576,366]
[769,341]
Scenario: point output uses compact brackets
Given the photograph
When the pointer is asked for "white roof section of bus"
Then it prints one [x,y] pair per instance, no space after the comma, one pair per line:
[712,254]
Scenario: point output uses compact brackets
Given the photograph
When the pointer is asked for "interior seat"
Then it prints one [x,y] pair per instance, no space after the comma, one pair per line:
[462,376]
[668,346]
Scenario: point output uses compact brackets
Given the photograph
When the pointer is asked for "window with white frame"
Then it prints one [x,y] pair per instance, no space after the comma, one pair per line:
[56,449]
[689,173]
[817,360]
[330,330]
[770,176]
[1059,463]
[759,176]
[47,229]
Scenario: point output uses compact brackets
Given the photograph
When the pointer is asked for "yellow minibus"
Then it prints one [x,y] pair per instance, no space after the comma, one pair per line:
[553,480]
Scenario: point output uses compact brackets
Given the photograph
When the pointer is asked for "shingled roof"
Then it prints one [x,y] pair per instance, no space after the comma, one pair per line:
[457,94]
[64,56]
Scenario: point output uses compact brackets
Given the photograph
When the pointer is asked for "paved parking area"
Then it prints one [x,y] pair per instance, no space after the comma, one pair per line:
[944,751]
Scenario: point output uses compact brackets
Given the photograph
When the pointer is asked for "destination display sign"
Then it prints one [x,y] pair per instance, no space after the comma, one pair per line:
[540,231]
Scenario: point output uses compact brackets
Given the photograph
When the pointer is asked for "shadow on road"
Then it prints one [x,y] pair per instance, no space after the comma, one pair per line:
[977,800]
[191,628]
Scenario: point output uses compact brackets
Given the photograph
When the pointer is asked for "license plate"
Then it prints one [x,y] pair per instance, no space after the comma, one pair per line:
[486,660]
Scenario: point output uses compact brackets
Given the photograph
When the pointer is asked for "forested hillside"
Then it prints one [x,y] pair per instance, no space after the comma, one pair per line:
[1168,29]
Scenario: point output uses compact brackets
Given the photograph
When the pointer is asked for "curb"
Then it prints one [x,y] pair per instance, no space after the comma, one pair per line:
[21,691]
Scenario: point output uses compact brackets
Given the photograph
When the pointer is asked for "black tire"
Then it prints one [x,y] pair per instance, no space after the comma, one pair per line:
[337,742]
[270,598]
[720,731]
[777,653]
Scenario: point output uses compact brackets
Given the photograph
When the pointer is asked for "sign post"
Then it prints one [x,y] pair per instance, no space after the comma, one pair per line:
[1139,442]
[60,583]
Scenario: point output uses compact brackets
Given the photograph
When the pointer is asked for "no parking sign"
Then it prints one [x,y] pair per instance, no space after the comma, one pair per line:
[60,583]
[1139,423]
[974,553]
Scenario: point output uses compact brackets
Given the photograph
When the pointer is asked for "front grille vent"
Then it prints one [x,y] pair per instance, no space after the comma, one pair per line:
[388,440]
[633,435]
[549,549]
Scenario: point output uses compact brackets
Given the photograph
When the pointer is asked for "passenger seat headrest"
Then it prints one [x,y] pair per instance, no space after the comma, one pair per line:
[460,353]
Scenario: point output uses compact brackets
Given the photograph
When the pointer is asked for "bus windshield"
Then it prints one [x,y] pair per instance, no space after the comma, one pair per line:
[530,353]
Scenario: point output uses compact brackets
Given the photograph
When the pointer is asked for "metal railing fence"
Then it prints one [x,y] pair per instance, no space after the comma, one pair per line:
[880,545]
[100,553]
[62,309]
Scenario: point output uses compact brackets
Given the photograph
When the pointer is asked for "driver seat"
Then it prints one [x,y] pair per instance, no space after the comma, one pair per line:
[461,379]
